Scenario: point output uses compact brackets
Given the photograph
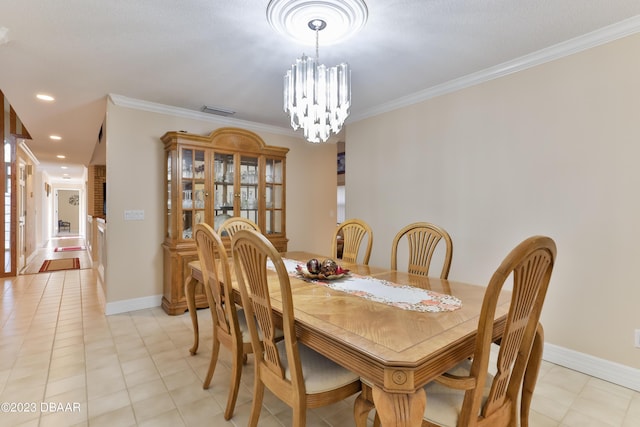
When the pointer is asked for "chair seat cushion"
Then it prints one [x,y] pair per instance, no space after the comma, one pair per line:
[246,335]
[244,329]
[320,374]
[444,403]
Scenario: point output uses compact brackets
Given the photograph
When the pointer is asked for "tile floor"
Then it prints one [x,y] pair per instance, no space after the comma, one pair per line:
[68,364]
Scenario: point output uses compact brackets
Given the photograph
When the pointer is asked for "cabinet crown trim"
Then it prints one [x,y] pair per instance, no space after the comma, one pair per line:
[225,138]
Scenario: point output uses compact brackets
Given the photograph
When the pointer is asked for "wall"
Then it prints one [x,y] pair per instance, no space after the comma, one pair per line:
[550,150]
[135,177]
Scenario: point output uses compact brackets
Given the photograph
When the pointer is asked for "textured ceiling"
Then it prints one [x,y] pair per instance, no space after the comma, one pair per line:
[193,53]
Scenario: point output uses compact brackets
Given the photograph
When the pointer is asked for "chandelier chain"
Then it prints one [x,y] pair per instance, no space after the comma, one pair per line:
[317,44]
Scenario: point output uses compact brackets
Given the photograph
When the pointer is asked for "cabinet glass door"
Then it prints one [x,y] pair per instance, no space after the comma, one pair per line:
[223,192]
[193,190]
[274,196]
[249,188]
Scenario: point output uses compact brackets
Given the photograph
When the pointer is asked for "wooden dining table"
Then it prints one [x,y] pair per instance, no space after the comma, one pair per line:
[395,350]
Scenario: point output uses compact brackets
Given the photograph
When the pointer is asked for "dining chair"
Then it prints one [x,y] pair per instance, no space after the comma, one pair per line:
[423,239]
[468,395]
[353,232]
[296,374]
[233,224]
[229,322]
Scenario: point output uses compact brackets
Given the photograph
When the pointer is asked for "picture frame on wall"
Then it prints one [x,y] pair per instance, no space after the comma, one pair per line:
[341,163]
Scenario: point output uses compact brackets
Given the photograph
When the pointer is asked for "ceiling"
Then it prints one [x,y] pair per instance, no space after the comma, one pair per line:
[189,54]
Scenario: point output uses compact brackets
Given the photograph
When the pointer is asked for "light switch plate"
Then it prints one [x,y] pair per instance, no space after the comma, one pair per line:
[133,215]
[637,338]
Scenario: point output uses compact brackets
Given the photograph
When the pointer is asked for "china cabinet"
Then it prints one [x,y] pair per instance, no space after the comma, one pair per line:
[230,172]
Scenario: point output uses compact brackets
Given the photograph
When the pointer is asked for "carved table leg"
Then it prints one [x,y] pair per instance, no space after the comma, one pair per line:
[400,409]
[190,294]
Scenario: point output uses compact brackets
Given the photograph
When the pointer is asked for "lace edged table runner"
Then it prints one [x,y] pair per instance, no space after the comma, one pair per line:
[383,291]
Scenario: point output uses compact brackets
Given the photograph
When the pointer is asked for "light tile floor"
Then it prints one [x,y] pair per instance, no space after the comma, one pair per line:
[64,363]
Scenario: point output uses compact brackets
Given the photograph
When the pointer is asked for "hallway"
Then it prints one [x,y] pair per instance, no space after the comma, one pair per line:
[48,252]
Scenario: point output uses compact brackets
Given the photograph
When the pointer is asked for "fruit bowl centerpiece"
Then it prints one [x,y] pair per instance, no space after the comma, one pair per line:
[325,270]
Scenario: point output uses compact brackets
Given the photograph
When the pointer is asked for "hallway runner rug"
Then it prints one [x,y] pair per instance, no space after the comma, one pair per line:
[69,248]
[60,264]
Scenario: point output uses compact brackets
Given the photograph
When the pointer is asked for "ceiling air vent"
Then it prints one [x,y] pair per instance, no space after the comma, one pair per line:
[218,111]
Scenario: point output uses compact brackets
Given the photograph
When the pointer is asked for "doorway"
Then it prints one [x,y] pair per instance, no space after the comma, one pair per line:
[22,214]
[67,218]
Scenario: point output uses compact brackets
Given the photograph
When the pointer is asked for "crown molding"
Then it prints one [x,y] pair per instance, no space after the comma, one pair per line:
[23,145]
[153,107]
[578,44]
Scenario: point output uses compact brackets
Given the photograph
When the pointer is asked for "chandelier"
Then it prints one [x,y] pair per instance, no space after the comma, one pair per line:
[317,98]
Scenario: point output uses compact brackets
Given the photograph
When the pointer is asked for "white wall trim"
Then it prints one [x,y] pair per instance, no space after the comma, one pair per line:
[606,370]
[154,107]
[23,145]
[134,304]
[578,44]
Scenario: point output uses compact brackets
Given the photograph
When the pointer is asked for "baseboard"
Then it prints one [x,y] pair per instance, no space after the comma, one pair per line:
[606,370]
[613,372]
[134,304]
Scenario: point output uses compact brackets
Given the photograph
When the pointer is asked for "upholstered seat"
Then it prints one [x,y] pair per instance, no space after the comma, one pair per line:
[446,403]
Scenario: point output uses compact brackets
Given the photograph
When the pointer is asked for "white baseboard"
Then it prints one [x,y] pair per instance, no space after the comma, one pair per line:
[606,370]
[132,304]
[613,372]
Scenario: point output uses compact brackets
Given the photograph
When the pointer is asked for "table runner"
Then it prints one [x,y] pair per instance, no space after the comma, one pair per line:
[394,294]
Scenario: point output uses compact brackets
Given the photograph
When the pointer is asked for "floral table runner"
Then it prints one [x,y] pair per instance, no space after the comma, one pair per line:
[383,291]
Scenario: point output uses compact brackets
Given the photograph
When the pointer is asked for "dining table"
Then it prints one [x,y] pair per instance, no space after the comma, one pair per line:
[361,322]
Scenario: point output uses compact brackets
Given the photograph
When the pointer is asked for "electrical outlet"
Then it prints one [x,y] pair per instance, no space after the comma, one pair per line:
[637,340]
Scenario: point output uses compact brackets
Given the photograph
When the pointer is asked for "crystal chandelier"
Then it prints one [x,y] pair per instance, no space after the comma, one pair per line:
[316,98]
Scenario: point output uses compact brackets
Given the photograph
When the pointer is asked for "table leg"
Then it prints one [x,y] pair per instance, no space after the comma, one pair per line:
[190,295]
[400,409]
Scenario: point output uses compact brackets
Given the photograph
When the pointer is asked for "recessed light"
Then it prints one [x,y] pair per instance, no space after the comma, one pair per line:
[60,156]
[55,137]
[64,167]
[45,97]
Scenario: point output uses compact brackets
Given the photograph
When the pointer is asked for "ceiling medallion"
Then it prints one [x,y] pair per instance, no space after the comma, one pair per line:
[291,18]
[317,98]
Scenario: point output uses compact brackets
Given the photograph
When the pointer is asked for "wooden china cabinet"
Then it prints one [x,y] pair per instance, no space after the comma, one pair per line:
[230,172]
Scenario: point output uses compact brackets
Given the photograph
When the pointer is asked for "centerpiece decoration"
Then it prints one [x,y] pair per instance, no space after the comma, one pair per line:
[325,270]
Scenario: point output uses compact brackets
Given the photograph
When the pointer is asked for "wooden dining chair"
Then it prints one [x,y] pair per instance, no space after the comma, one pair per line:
[423,239]
[353,232]
[468,395]
[229,322]
[296,374]
[233,224]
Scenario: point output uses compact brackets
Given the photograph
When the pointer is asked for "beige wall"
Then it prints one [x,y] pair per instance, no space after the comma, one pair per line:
[551,150]
[135,168]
